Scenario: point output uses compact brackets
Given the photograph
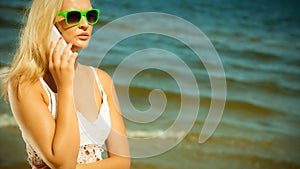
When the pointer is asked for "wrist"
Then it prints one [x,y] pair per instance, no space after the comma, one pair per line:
[65,89]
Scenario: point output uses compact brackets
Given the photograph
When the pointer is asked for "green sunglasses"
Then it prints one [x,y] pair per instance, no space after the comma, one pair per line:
[74,17]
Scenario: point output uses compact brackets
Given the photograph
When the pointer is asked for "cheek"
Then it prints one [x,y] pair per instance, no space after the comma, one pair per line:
[69,35]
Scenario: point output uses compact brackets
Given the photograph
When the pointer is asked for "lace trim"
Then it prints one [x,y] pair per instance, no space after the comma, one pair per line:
[90,153]
[34,160]
[87,154]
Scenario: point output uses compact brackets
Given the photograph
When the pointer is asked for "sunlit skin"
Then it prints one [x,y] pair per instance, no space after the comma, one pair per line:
[57,140]
[79,35]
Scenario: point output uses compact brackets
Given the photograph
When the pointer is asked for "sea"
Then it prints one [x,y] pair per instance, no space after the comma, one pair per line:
[225,70]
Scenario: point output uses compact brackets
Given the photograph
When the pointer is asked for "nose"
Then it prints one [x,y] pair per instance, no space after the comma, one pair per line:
[83,24]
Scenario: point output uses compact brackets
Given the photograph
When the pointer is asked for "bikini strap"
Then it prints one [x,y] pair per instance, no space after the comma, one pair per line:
[51,97]
[97,80]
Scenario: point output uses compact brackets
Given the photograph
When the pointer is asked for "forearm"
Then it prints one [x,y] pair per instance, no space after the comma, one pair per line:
[109,163]
[66,138]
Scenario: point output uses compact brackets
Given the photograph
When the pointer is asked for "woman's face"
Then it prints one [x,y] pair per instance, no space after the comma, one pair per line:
[80,34]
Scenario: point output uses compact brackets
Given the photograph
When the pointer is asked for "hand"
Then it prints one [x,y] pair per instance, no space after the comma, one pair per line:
[61,68]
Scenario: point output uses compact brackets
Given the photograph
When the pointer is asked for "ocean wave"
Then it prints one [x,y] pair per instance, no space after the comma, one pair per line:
[261,60]
[10,22]
[283,85]
[15,4]
[2,71]
[243,102]
[7,120]
[161,134]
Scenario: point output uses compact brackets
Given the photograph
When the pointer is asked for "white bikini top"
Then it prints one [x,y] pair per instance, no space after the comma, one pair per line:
[95,132]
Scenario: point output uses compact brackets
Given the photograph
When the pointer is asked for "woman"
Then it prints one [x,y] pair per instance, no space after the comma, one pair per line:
[67,112]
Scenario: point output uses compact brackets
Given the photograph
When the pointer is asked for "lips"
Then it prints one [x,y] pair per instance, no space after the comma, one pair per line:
[83,36]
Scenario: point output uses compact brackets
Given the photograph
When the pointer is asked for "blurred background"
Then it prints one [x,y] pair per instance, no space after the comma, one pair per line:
[258,44]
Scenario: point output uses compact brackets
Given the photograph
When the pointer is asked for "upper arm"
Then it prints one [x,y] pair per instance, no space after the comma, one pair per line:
[117,142]
[29,107]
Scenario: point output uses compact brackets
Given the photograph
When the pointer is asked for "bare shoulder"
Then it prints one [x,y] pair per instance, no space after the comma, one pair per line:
[24,89]
[102,74]
[105,78]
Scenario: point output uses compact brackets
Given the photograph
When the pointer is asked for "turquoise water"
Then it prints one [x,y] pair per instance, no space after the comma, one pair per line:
[258,44]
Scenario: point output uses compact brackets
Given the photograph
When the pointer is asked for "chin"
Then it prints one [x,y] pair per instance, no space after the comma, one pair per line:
[75,48]
[81,45]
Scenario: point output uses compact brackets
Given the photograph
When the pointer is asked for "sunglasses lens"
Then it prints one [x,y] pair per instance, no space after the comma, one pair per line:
[73,17]
[92,16]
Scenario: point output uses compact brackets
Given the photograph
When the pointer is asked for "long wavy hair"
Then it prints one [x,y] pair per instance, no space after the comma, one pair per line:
[31,57]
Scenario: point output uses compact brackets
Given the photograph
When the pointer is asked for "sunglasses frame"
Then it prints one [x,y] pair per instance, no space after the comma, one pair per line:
[83,13]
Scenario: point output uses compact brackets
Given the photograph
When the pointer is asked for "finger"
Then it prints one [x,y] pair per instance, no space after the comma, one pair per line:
[66,53]
[73,58]
[56,54]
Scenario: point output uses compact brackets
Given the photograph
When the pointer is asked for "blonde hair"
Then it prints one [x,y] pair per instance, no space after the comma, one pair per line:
[31,57]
